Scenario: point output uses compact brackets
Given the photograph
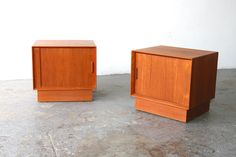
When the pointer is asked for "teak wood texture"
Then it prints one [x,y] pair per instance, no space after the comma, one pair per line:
[173,82]
[64,70]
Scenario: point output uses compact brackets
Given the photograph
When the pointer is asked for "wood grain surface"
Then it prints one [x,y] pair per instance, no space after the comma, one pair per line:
[177,79]
[67,67]
[175,52]
[156,81]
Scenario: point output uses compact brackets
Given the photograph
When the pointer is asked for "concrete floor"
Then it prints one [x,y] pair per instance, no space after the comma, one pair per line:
[110,126]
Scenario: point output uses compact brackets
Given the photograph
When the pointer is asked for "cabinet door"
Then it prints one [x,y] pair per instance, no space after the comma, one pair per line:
[63,68]
[163,78]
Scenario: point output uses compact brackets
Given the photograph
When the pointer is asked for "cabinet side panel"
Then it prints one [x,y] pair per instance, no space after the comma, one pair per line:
[203,79]
[36,68]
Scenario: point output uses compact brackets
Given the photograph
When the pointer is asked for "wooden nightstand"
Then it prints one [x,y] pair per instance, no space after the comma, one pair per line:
[64,70]
[173,82]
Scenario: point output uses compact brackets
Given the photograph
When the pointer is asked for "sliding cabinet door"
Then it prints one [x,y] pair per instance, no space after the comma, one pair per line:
[163,78]
[64,68]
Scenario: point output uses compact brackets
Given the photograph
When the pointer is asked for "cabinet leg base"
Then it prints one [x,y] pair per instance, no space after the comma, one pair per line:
[65,95]
[171,112]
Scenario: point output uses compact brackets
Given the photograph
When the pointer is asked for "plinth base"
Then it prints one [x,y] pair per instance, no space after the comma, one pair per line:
[65,95]
[172,112]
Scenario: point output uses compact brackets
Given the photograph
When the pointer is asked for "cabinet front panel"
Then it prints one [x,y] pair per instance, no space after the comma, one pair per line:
[68,68]
[163,78]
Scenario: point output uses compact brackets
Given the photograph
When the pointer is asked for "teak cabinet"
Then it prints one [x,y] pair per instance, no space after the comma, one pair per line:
[172,82]
[64,70]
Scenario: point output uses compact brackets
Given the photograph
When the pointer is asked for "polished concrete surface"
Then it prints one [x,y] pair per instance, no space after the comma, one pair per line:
[110,126]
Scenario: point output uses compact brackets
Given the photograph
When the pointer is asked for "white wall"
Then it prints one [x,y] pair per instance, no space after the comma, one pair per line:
[117,27]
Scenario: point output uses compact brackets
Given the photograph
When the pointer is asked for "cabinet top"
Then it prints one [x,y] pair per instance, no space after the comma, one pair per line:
[64,43]
[176,52]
